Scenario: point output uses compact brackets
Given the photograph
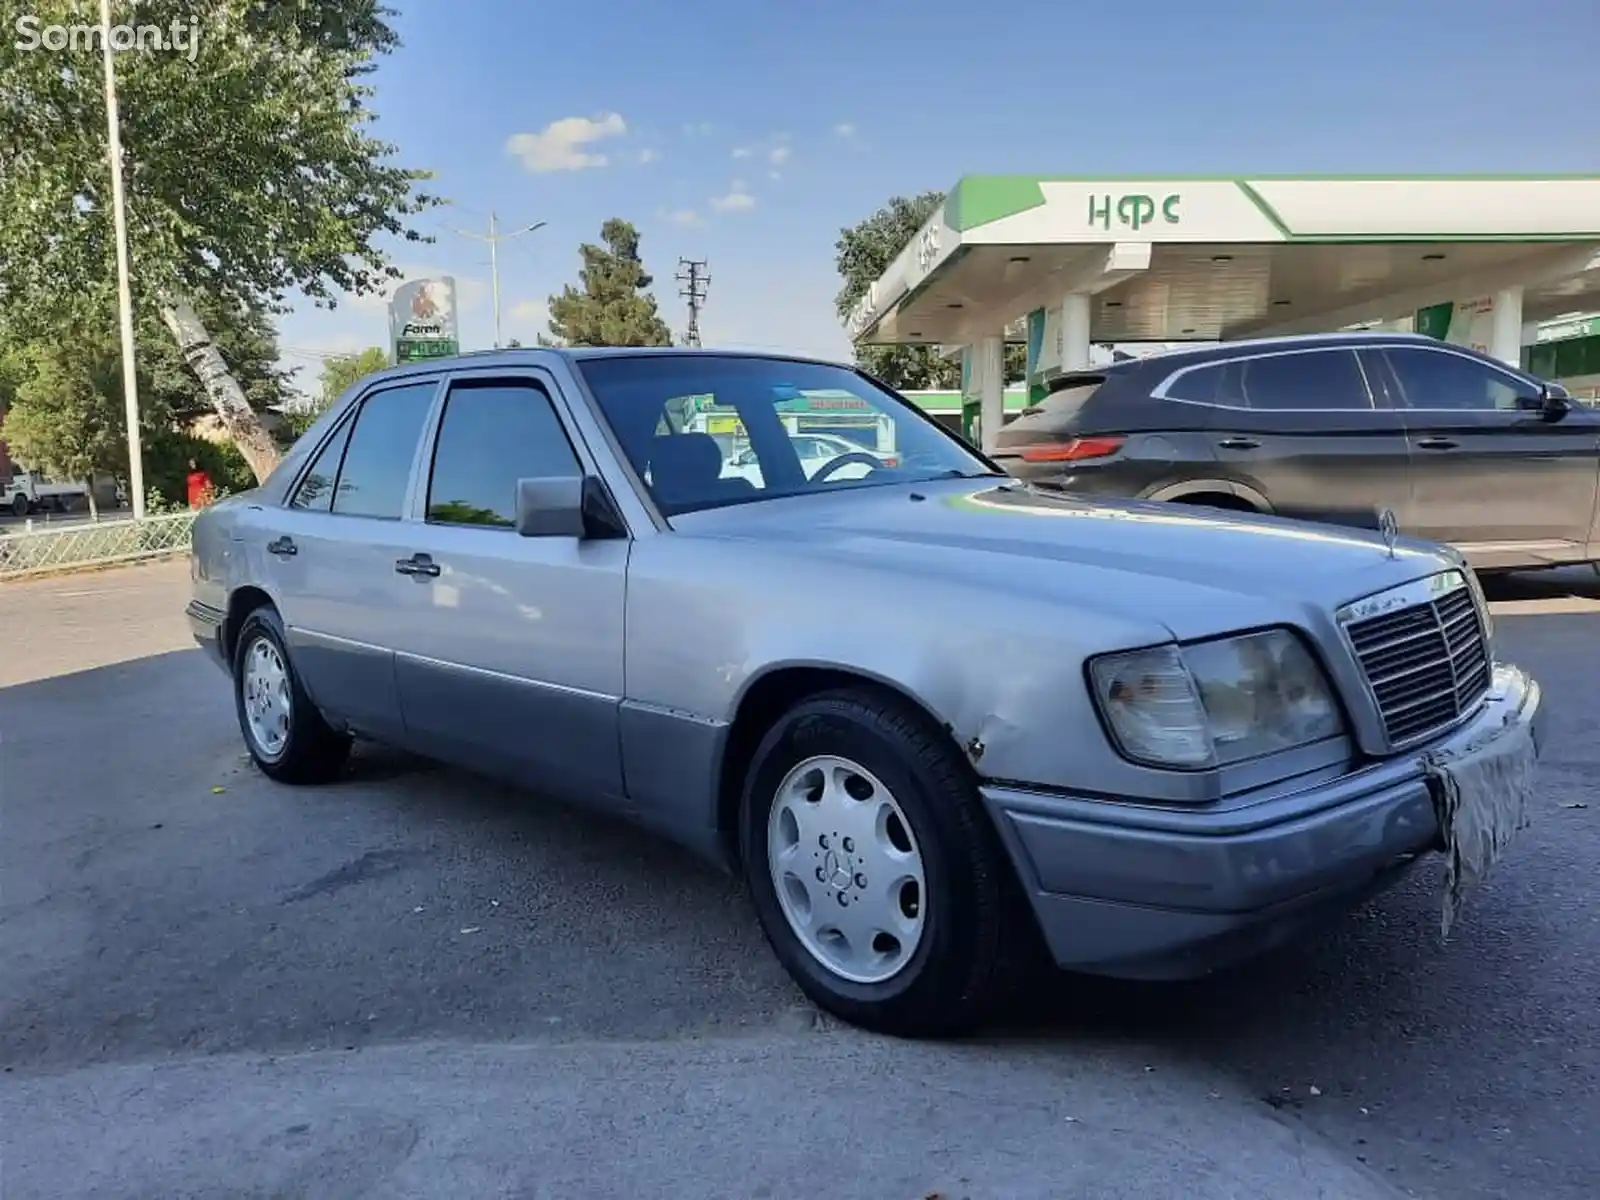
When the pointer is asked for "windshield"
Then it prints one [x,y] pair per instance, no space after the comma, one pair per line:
[707,430]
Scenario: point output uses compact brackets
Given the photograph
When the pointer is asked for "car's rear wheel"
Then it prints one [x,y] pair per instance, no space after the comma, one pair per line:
[285,734]
[876,872]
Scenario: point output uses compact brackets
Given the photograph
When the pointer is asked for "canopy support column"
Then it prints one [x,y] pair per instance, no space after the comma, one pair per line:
[1505,337]
[990,369]
[1075,331]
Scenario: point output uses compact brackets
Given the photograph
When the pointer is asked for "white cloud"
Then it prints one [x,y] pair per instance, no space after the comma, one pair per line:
[699,129]
[774,174]
[684,216]
[737,199]
[649,155]
[525,320]
[844,129]
[775,149]
[565,145]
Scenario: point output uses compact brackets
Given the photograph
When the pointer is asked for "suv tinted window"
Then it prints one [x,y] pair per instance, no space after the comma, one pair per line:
[491,436]
[1320,379]
[315,492]
[1198,385]
[1434,379]
[377,464]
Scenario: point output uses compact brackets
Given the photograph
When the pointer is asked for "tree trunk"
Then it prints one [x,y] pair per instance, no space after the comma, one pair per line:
[94,509]
[222,389]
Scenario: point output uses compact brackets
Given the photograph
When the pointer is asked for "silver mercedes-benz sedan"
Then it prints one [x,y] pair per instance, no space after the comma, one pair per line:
[937,720]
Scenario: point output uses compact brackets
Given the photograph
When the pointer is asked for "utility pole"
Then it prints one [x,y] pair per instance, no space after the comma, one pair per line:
[692,274]
[494,239]
[119,221]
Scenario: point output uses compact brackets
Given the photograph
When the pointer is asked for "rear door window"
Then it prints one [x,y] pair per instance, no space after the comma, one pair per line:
[1317,381]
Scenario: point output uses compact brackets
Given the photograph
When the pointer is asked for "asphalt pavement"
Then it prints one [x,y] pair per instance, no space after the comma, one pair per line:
[417,983]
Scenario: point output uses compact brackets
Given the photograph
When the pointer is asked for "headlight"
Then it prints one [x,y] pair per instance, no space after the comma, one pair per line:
[1218,702]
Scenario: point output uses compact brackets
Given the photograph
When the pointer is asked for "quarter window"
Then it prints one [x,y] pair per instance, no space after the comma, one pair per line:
[377,465]
[492,435]
[1324,379]
[315,493]
[1436,380]
[1199,385]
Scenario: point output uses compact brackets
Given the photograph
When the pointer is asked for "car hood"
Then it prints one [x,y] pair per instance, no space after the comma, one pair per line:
[1215,569]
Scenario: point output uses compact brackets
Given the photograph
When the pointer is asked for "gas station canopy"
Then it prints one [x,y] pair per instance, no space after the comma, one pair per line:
[1167,259]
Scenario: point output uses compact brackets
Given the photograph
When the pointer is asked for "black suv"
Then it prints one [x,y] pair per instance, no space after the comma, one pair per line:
[1462,448]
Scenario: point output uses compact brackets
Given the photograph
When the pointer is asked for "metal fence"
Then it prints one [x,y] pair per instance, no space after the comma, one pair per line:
[96,544]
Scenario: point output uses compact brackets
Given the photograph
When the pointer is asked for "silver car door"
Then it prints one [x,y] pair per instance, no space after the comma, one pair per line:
[330,557]
[510,649]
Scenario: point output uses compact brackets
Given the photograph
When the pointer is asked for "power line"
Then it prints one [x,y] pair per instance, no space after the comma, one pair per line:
[692,274]
[494,239]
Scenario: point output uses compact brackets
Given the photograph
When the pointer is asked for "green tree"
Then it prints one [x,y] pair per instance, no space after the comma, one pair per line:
[251,172]
[339,373]
[170,397]
[613,308]
[66,416]
[344,371]
[862,254]
[170,393]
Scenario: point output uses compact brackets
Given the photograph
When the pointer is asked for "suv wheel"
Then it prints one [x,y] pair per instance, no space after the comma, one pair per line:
[875,870]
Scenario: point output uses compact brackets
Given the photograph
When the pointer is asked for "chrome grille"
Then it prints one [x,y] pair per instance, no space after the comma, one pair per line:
[1427,661]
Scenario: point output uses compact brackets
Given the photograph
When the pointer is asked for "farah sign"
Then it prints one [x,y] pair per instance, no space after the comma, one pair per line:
[422,320]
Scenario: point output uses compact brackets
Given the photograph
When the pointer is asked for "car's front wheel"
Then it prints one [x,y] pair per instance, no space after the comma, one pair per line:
[876,873]
[285,734]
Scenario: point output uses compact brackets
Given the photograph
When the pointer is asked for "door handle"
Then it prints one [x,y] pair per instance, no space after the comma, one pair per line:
[283,547]
[417,565]
[1436,443]
[1239,443]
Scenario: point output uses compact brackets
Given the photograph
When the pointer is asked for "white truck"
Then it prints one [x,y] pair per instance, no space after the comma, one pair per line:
[29,491]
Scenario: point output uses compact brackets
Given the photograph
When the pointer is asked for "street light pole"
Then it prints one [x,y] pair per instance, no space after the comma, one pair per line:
[130,376]
[494,239]
[494,278]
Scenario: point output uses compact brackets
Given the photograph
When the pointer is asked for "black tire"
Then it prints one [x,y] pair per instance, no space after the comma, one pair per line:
[977,934]
[312,752]
[19,505]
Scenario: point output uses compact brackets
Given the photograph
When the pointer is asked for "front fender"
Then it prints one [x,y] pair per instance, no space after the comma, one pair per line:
[1002,671]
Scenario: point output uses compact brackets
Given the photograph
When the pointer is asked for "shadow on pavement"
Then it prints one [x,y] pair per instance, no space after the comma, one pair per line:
[162,898]
[1561,583]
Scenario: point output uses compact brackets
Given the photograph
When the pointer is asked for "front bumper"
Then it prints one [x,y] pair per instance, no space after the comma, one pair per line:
[1141,891]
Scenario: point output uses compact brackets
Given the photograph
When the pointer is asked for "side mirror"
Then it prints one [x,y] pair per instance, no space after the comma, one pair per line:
[574,506]
[1552,403]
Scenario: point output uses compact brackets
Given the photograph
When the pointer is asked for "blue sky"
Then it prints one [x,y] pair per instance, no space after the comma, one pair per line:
[748,135]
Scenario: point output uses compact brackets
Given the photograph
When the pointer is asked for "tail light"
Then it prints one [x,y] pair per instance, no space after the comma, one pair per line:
[891,460]
[1073,450]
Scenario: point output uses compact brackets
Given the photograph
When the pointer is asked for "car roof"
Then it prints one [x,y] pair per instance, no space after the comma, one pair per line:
[1166,361]
[533,355]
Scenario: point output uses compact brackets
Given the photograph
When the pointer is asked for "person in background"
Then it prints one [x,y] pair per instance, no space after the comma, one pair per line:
[199,485]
